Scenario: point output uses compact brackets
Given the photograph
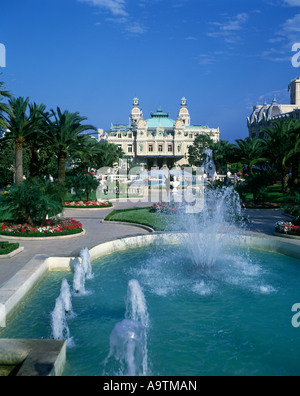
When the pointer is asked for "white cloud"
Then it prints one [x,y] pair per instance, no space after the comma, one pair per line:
[119,15]
[293,3]
[116,7]
[229,28]
[290,30]
[135,28]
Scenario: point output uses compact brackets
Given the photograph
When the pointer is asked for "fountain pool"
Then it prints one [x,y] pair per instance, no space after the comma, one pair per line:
[232,318]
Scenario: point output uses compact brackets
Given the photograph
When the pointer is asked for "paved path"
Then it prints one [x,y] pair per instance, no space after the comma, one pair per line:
[263,221]
[97,232]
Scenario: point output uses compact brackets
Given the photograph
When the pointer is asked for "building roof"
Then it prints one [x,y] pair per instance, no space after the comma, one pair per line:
[160,119]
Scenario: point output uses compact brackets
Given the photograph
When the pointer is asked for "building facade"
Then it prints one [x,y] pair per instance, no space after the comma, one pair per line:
[158,141]
[263,116]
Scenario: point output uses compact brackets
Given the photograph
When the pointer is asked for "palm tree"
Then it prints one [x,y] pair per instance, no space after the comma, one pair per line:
[108,155]
[65,135]
[36,138]
[223,154]
[19,128]
[89,150]
[280,146]
[3,106]
[250,152]
[293,153]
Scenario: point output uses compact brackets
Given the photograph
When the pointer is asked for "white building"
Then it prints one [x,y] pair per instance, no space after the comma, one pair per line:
[158,141]
[263,116]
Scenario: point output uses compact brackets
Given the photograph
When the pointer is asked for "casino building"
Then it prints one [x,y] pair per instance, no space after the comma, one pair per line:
[158,141]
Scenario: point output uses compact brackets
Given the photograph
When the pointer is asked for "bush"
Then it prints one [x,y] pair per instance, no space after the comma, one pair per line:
[32,202]
[257,184]
[6,247]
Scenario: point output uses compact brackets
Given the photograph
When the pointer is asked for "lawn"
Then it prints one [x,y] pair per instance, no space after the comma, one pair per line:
[158,221]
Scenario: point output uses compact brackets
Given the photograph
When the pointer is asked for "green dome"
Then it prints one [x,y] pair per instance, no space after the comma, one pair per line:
[160,119]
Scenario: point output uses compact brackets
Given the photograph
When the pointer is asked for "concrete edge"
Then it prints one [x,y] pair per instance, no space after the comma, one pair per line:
[142,226]
[35,357]
[12,254]
[297,238]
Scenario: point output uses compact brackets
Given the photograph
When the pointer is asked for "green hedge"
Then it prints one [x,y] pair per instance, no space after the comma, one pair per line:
[89,207]
[6,247]
[40,234]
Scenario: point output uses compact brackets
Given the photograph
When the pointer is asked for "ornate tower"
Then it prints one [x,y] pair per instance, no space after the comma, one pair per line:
[136,113]
[184,114]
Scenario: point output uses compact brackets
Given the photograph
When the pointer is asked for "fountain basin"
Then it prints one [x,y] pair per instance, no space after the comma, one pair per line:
[111,309]
[13,291]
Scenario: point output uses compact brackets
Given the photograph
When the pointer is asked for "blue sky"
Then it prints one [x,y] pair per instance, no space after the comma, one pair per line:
[94,56]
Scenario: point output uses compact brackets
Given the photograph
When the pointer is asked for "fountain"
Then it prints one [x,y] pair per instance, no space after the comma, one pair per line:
[86,262]
[128,355]
[65,295]
[136,308]
[79,278]
[212,301]
[63,309]
[60,329]
[209,165]
[220,223]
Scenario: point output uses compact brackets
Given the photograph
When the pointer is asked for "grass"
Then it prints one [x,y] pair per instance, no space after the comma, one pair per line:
[143,216]
[6,248]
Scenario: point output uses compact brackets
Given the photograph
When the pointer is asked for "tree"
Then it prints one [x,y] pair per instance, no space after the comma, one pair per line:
[88,153]
[19,128]
[293,152]
[3,106]
[196,151]
[108,154]
[35,140]
[65,135]
[281,147]
[223,154]
[250,152]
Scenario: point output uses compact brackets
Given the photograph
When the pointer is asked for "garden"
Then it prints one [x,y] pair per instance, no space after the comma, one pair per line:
[47,158]
[45,163]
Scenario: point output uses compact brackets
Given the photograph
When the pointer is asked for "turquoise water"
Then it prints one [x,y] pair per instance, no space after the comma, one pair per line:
[231,319]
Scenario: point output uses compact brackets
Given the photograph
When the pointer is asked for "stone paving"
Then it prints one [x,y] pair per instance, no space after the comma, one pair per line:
[97,232]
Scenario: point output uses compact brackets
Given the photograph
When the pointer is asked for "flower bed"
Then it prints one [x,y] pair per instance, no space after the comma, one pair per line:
[261,205]
[166,208]
[288,228]
[87,204]
[65,226]
[7,248]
